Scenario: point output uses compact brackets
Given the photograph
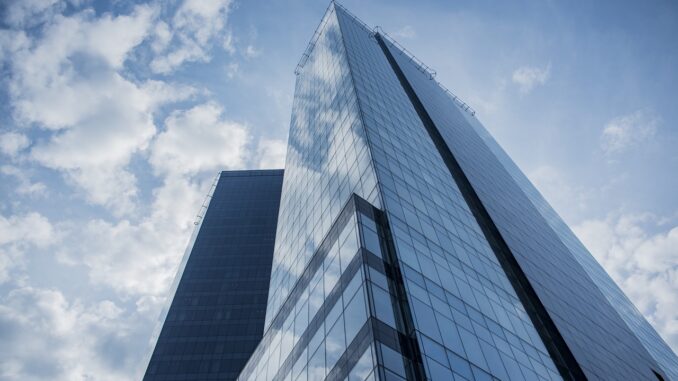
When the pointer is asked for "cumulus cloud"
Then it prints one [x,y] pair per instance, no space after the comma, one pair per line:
[80,108]
[19,233]
[639,252]
[271,153]
[197,140]
[190,33]
[12,142]
[628,131]
[47,87]
[138,259]
[529,77]
[69,80]
[50,84]
[46,336]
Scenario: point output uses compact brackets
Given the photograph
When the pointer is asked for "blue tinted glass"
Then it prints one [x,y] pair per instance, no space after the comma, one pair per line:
[356,315]
[336,343]
[383,306]
[216,317]
[393,361]
[363,367]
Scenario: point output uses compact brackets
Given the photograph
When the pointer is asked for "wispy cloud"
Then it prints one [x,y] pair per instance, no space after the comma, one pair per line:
[406,32]
[189,35]
[252,52]
[232,70]
[229,43]
[29,13]
[628,131]
[529,77]
[26,186]
[12,142]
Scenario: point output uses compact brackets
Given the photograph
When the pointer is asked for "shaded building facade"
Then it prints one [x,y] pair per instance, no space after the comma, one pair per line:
[216,316]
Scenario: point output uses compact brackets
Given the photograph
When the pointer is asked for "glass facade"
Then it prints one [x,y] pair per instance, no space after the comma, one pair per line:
[216,317]
[462,302]
[574,290]
[408,246]
[325,325]
[327,159]
[479,280]
[654,344]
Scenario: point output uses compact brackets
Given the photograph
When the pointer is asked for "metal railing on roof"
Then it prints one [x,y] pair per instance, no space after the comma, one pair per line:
[421,66]
[354,17]
[314,40]
[206,201]
[424,69]
[157,328]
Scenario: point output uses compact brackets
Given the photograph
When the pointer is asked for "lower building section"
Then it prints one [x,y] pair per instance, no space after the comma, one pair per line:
[344,318]
[216,317]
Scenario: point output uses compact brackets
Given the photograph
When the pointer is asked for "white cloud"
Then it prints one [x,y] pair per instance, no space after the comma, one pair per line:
[252,52]
[232,70]
[12,142]
[18,233]
[229,43]
[88,116]
[271,153]
[406,32]
[529,77]
[26,186]
[138,259]
[11,41]
[628,131]
[94,152]
[23,13]
[46,336]
[198,140]
[48,88]
[640,253]
[31,228]
[162,36]
[187,38]
[69,80]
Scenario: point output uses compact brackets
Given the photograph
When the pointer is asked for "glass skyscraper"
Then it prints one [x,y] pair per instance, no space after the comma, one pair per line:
[216,316]
[410,247]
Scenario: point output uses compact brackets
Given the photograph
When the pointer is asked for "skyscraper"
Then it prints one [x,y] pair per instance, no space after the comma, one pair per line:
[409,246]
[216,316]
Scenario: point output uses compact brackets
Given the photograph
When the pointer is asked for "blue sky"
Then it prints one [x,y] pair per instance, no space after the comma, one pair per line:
[115,117]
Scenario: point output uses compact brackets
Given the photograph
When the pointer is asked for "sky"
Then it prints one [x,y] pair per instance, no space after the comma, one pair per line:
[115,116]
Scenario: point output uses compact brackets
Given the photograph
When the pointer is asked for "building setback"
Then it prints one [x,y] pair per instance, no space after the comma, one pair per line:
[216,317]
[409,246]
